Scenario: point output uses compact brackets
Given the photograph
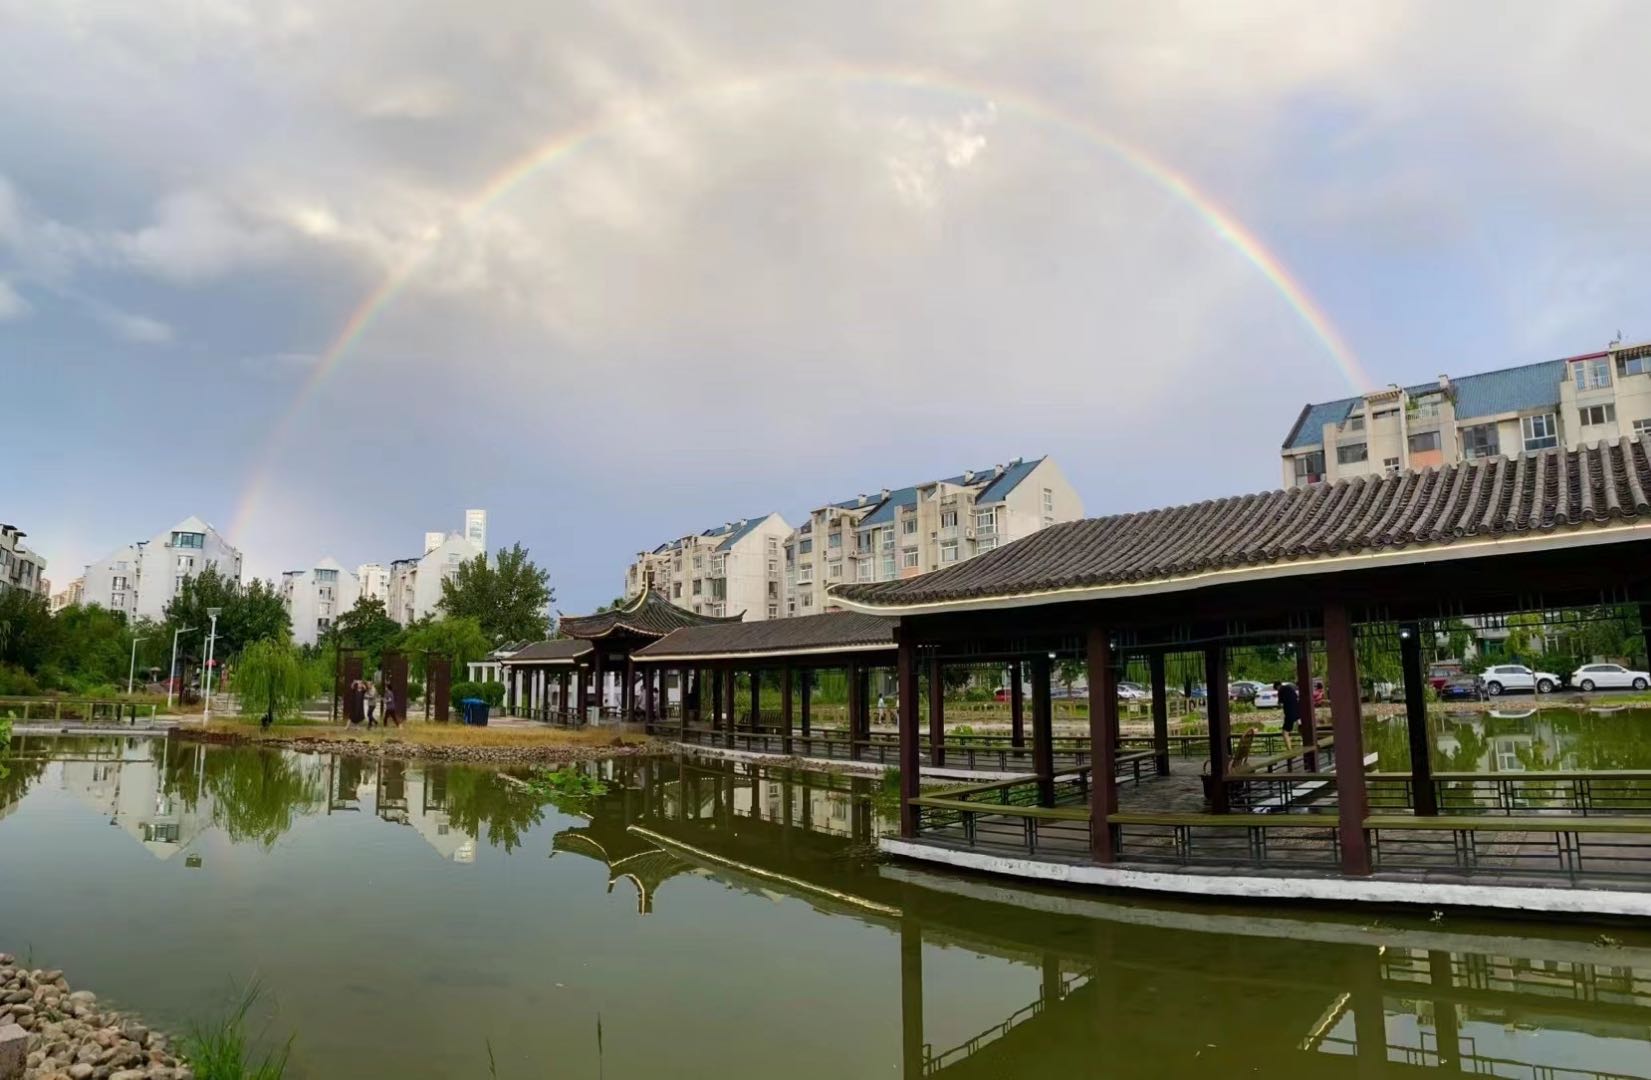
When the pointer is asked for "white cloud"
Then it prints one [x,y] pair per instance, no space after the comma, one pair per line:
[12,304]
[138,329]
[196,235]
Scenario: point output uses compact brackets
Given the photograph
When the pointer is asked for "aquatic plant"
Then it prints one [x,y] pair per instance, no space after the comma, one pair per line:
[223,1050]
[567,784]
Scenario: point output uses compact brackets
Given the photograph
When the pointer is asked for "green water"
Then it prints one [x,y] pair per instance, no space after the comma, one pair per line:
[1521,735]
[702,920]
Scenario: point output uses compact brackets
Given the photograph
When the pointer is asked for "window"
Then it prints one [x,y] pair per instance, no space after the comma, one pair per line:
[188,540]
[773,611]
[1595,415]
[1591,374]
[326,575]
[834,540]
[834,570]
[909,526]
[948,519]
[1540,432]
[1384,414]
[1423,441]
[1426,408]
[1390,464]
[1642,428]
[1048,501]
[1634,365]
[1352,454]
[948,551]
[1480,441]
[805,547]
[676,590]
[186,563]
[1310,467]
[1354,423]
[807,600]
[699,587]
[888,567]
[986,521]
[773,590]
[699,562]
[865,542]
[908,558]
[117,600]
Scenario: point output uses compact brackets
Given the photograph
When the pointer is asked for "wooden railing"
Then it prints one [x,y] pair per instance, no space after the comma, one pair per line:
[1574,847]
[1624,792]
[1258,840]
[1008,815]
[85,710]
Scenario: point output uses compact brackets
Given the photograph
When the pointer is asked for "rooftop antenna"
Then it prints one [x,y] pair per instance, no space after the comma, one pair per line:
[1615,341]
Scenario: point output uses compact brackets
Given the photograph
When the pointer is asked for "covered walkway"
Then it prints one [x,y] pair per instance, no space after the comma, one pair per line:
[1327,572]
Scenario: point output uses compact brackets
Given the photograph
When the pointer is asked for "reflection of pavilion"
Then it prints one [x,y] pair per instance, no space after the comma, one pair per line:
[402,793]
[130,790]
[1272,996]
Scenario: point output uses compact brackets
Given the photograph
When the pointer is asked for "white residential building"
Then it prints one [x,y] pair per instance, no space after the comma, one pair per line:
[141,579]
[317,596]
[72,593]
[475,527]
[903,532]
[415,584]
[20,568]
[729,570]
[373,580]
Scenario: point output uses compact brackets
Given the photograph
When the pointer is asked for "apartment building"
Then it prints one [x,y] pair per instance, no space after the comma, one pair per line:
[316,597]
[373,580]
[20,568]
[903,532]
[1576,401]
[729,570]
[142,578]
[71,594]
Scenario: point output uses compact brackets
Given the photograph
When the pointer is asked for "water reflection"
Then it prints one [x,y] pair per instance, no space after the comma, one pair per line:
[1522,739]
[760,890]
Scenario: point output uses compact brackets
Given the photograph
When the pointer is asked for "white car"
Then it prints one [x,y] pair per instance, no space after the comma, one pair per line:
[1501,678]
[1609,676]
[1128,691]
[1266,698]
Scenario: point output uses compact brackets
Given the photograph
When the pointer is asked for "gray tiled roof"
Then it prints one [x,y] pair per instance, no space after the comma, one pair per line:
[1489,497]
[806,633]
[556,650]
[648,614]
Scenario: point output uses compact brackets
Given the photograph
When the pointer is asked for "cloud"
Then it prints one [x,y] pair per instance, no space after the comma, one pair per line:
[279,366]
[12,305]
[195,236]
[138,329]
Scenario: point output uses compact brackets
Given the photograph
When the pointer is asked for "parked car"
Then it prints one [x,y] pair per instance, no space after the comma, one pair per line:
[1242,690]
[1441,672]
[1609,677]
[1461,687]
[1266,698]
[1199,693]
[1128,691]
[1501,678]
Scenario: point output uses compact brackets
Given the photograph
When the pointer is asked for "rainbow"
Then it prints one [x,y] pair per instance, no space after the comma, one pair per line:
[1225,225]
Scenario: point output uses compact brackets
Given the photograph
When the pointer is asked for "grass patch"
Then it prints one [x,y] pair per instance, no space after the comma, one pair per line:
[223,1050]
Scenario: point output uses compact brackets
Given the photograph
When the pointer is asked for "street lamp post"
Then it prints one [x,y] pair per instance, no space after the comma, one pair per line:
[211,646]
[132,668]
[172,672]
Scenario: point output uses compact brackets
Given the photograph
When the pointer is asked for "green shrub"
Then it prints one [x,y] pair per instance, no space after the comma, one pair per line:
[15,682]
[490,692]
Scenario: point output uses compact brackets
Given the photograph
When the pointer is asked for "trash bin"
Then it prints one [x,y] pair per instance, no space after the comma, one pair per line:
[475,711]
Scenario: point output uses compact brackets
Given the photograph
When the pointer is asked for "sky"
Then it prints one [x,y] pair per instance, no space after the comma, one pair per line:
[327,274]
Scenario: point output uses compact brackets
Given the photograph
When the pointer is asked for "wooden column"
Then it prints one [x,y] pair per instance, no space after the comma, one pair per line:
[1304,696]
[910,761]
[1160,713]
[1043,731]
[1103,743]
[864,694]
[807,675]
[1415,709]
[1352,801]
[584,699]
[627,693]
[911,997]
[1220,723]
[1447,1027]
[562,701]
[785,725]
[596,680]
[1645,630]
[937,714]
[716,699]
[1017,707]
[730,723]
[854,688]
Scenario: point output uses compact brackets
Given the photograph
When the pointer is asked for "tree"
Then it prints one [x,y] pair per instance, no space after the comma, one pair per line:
[510,599]
[366,626]
[459,639]
[27,630]
[249,613]
[270,677]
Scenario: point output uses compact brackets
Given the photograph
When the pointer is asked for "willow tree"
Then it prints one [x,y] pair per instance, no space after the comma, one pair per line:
[272,679]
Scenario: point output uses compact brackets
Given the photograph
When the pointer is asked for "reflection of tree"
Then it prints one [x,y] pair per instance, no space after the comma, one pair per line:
[256,792]
[475,799]
[16,774]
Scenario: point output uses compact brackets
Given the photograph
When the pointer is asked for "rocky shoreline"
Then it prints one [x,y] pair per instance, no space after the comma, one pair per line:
[67,1036]
[529,754]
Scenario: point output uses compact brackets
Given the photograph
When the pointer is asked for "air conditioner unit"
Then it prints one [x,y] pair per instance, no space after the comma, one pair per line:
[968,534]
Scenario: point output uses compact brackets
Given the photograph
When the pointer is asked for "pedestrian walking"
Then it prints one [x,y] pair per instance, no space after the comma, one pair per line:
[392,707]
[1289,702]
[370,695]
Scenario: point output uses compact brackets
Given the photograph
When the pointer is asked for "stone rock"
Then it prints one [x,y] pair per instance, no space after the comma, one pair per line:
[17,997]
[83,997]
[14,1052]
[80,1071]
[128,1074]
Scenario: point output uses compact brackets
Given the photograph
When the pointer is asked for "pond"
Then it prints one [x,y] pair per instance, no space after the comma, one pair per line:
[1521,736]
[701,919]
